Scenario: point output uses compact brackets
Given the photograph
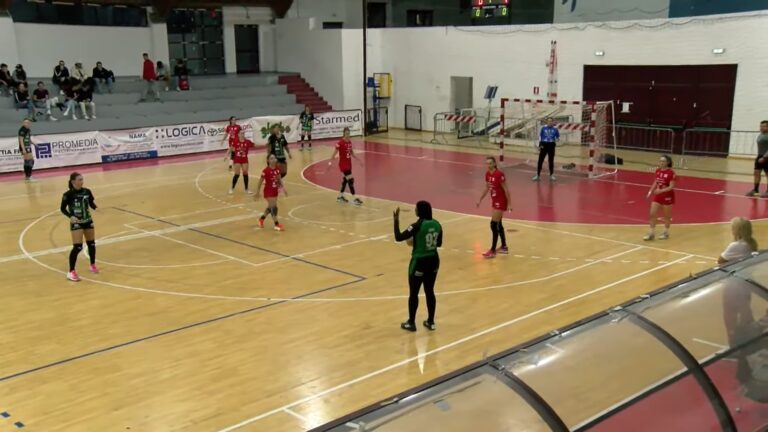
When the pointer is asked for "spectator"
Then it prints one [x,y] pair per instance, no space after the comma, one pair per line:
[743,243]
[68,90]
[181,73]
[41,99]
[60,74]
[78,73]
[6,80]
[163,74]
[103,76]
[149,77]
[20,75]
[84,97]
[22,100]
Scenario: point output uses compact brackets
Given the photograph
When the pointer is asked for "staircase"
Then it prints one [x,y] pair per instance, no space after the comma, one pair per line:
[305,94]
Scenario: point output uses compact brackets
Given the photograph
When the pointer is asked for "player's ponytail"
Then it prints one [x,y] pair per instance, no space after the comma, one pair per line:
[742,230]
[668,158]
[424,210]
[72,178]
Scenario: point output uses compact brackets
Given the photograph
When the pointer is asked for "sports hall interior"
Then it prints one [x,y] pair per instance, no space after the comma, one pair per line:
[201,321]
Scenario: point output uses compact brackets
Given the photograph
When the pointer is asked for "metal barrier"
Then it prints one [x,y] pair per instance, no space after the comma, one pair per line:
[413,117]
[450,123]
[645,138]
[377,120]
[718,142]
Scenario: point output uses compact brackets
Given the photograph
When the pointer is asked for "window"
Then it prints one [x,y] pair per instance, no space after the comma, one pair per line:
[419,18]
[78,14]
[333,25]
[196,36]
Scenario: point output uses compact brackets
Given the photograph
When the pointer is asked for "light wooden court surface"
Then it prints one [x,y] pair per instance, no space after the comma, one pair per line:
[199,322]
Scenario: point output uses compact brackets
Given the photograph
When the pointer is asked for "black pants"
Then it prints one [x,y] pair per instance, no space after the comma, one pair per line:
[546,149]
[422,271]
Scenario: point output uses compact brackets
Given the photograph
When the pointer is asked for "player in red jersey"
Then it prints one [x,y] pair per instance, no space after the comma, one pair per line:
[496,184]
[238,154]
[273,182]
[232,130]
[662,196]
[346,153]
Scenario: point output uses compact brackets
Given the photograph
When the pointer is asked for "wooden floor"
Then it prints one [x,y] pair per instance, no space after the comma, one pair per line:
[200,322]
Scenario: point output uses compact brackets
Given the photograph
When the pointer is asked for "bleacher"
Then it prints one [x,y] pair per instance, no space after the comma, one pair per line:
[211,98]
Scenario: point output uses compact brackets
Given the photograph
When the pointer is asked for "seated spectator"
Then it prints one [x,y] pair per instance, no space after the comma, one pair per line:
[68,86]
[84,97]
[41,99]
[60,74]
[743,243]
[163,74]
[181,73]
[7,84]
[22,100]
[79,73]
[20,75]
[103,76]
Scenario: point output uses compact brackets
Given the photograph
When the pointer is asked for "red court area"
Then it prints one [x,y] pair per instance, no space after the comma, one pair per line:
[454,181]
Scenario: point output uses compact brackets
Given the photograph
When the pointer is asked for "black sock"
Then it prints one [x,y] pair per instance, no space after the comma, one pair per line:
[274,214]
[309,139]
[245,180]
[502,235]
[91,250]
[302,142]
[757,187]
[27,171]
[414,284]
[76,248]
[351,185]
[343,185]
[266,212]
[234,180]
[429,292]
[495,232]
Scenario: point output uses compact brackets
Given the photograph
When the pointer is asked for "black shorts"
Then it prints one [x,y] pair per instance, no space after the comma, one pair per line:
[29,163]
[282,161]
[81,226]
[761,166]
[424,265]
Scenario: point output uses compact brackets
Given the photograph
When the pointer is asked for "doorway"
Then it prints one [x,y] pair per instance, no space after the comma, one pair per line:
[247,48]
[461,93]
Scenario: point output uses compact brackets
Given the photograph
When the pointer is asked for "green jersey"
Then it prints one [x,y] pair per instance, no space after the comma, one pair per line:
[26,140]
[427,236]
[78,203]
[277,146]
[306,119]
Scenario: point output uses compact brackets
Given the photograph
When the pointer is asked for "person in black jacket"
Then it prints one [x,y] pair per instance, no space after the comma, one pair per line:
[84,98]
[60,74]
[181,73]
[20,75]
[22,100]
[7,84]
[103,76]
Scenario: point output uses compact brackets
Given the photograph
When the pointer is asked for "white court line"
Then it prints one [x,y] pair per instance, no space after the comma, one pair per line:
[291,215]
[444,347]
[106,185]
[297,415]
[511,221]
[712,344]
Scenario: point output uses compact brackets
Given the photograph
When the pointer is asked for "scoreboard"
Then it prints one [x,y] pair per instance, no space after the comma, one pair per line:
[490,8]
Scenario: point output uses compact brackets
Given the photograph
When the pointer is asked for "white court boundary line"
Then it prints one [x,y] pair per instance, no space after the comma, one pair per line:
[512,222]
[444,347]
[317,222]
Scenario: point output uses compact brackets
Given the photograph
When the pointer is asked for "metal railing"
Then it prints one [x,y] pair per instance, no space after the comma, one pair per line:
[377,120]
[413,117]
[442,127]
[718,142]
[646,138]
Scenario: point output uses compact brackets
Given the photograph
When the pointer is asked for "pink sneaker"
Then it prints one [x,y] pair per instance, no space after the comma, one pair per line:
[73,276]
[489,254]
[94,269]
[261,223]
[504,250]
[279,227]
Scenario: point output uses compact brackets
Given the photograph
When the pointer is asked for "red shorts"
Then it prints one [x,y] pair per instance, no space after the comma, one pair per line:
[240,160]
[666,198]
[270,193]
[499,203]
[345,167]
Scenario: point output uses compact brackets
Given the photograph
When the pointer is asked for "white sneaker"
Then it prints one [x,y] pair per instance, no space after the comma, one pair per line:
[231,191]
[248,191]
[52,118]
[664,236]
[649,237]
[93,116]
[74,117]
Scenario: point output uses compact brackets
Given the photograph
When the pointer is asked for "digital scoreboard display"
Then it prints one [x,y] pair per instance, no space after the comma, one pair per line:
[490,8]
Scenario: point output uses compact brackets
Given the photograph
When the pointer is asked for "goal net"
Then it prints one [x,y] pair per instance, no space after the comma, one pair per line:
[587,144]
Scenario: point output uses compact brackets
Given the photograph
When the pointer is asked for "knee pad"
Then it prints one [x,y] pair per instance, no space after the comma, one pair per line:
[90,243]
[77,247]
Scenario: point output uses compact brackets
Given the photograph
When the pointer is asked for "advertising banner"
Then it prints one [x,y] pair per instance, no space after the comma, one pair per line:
[189,138]
[129,144]
[262,126]
[60,150]
[332,124]
[10,156]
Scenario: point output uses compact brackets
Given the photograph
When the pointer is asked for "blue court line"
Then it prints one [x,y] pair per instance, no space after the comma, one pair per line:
[172,331]
[241,243]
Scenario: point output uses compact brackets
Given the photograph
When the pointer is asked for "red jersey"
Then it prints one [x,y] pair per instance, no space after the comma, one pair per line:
[344,147]
[271,177]
[232,131]
[240,150]
[495,181]
[664,177]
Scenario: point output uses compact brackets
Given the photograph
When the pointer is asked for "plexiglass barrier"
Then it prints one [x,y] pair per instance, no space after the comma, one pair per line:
[692,356]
